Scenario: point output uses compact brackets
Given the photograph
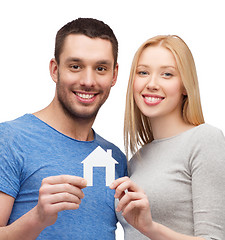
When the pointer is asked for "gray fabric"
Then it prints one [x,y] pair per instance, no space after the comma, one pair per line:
[184,179]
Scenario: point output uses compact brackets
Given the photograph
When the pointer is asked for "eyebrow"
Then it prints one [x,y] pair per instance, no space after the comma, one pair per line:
[142,65]
[169,66]
[71,59]
[104,62]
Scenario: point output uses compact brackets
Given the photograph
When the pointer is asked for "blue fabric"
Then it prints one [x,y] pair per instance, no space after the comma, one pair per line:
[31,150]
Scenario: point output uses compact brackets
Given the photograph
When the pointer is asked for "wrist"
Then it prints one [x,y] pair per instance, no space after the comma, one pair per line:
[151,230]
[35,221]
[27,227]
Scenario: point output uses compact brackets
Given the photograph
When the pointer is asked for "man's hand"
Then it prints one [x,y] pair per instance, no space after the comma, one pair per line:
[58,193]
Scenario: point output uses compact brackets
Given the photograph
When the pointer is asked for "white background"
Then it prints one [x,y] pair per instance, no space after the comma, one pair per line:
[27,33]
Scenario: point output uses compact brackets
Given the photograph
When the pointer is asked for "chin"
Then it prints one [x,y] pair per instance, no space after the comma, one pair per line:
[85,115]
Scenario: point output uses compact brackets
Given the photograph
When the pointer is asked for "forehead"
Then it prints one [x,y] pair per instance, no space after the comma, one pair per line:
[157,55]
[85,48]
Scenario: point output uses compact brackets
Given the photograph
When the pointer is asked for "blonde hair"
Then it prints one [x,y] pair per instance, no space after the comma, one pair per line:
[137,127]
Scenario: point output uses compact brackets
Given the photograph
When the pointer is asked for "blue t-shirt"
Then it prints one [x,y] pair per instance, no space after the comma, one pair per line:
[31,150]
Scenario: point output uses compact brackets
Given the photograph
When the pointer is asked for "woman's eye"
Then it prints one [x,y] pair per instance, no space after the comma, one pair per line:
[167,74]
[142,73]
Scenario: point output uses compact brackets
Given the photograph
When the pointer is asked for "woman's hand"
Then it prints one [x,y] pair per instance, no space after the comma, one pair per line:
[133,203]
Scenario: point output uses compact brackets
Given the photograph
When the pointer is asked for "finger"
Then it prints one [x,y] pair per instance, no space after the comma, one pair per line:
[137,204]
[73,180]
[60,188]
[126,186]
[128,198]
[61,206]
[64,197]
[118,181]
[121,195]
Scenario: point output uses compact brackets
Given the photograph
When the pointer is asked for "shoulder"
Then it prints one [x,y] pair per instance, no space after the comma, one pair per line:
[16,123]
[205,140]
[207,148]
[12,128]
[18,131]
[7,130]
[208,129]
[207,133]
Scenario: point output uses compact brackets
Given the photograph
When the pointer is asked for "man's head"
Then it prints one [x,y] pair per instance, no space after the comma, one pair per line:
[89,27]
[86,68]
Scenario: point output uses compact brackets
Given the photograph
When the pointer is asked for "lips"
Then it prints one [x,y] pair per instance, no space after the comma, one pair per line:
[152,99]
[85,97]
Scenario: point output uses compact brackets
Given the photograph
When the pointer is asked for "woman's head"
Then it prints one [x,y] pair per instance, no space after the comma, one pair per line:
[137,126]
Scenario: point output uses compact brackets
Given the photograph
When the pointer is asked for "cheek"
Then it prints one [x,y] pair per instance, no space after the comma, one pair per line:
[138,86]
[175,89]
[67,77]
[104,84]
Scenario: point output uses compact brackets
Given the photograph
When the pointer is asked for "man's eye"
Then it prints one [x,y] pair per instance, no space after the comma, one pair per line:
[101,69]
[75,67]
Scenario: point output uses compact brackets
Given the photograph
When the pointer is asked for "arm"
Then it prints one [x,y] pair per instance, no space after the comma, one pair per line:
[135,207]
[56,194]
[208,181]
[6,204]
[19,229]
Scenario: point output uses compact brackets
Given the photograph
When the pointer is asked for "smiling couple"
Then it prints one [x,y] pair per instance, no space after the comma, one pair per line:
[174,189]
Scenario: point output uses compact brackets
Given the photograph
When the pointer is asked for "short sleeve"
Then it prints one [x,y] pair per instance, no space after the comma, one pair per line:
[9,166]
[208,183]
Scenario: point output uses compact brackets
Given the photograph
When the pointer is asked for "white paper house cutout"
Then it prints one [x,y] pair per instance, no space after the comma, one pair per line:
[99,158]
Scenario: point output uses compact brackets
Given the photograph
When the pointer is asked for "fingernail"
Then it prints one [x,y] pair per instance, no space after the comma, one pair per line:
[84,182]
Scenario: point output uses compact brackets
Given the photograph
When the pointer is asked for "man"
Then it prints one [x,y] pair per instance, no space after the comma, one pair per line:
[43,194]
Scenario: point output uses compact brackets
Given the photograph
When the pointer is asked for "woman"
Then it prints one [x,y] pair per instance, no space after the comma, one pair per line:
[180,165]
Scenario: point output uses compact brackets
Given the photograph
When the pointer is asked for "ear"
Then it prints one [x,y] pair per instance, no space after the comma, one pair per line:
[184,92]
[53,68]
[115,74]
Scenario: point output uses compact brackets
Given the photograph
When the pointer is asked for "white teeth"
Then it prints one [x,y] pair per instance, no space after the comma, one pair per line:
[85,96]
[153,99]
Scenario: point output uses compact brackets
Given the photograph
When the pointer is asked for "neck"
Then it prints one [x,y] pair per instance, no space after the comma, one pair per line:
[79,129]
[169,126]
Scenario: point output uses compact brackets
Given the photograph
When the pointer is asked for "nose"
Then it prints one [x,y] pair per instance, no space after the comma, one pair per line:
[152,83]
[88,78]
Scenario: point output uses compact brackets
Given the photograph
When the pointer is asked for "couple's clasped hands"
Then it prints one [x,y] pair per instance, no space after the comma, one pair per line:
[133,203]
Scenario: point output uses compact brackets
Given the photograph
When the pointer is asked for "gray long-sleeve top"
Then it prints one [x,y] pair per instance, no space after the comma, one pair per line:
[184,179]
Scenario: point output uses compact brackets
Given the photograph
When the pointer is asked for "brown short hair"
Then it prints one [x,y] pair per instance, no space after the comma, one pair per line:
[89,27]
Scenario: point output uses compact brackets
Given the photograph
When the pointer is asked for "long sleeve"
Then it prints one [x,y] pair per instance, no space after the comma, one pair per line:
[208,184]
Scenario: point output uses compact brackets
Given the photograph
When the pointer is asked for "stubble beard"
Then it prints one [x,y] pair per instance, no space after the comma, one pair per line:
[69,107]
